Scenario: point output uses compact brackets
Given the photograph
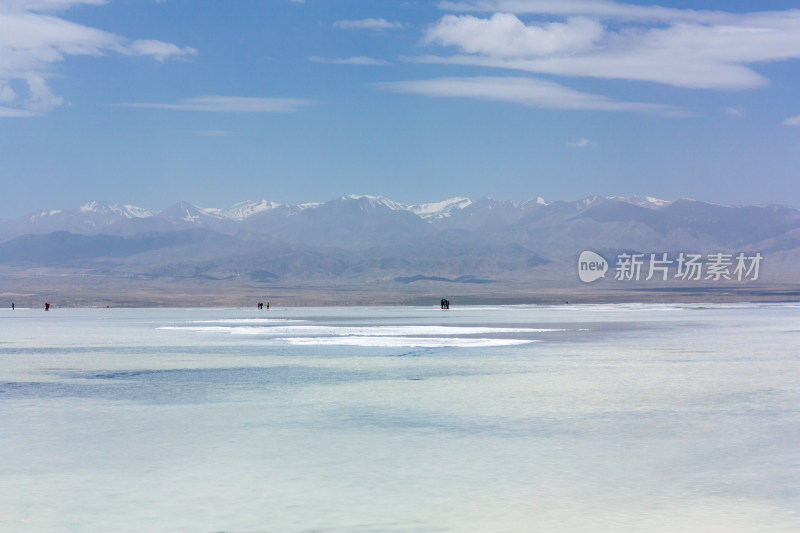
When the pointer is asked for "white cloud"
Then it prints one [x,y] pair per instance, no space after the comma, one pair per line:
[11,112]
[583,143]
[504,35]
[603,9]
[367,24]
[737,112]
[792,121]
[7,94]
[683,48]
[40,98]
[44,5]
[359,60]
[524,91]
[231,104]
[33,40]
[159,50]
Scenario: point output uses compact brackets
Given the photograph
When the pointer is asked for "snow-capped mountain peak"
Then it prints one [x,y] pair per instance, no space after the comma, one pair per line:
[369,201]
[534,201]
[589,201]
[437,210]
[309,205]
[642,201]
[123,211]
[186,212]
[243,210]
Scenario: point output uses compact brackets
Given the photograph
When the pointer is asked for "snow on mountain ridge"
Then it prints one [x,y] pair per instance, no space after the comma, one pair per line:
[433,210]
[243,210]
[642,201]
[368,216]
[44,213]
[99,214]
[137,212]
[535,201]
[186,212]
[376,201]
[437,210]
[125,211]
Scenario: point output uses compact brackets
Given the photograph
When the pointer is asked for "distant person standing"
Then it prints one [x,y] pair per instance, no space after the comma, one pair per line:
[12,306]
[46,306]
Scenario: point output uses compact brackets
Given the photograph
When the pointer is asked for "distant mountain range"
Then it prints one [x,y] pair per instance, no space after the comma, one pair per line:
[114,219]
[368,239]
[354,222]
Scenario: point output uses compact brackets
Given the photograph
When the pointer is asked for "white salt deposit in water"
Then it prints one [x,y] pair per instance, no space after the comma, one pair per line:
[643,418]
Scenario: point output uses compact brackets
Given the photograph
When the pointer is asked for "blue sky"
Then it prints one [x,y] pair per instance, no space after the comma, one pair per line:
[148,102]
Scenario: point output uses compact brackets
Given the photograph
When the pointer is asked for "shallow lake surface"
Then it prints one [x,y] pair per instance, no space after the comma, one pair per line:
[646,418]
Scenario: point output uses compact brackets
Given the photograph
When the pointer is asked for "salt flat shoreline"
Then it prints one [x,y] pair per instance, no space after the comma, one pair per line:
[558,284]
[81,297]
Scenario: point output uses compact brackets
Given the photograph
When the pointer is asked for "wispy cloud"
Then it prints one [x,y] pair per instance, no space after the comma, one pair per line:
[359,60]
[40,98]
[736,112]
[158,50]
[34,37]
[230,104]
[504,35]
[792,121]
[602,9]
[12,112]
[368,24]
[525,91]
[601,39]
[582,143]
[44,5]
